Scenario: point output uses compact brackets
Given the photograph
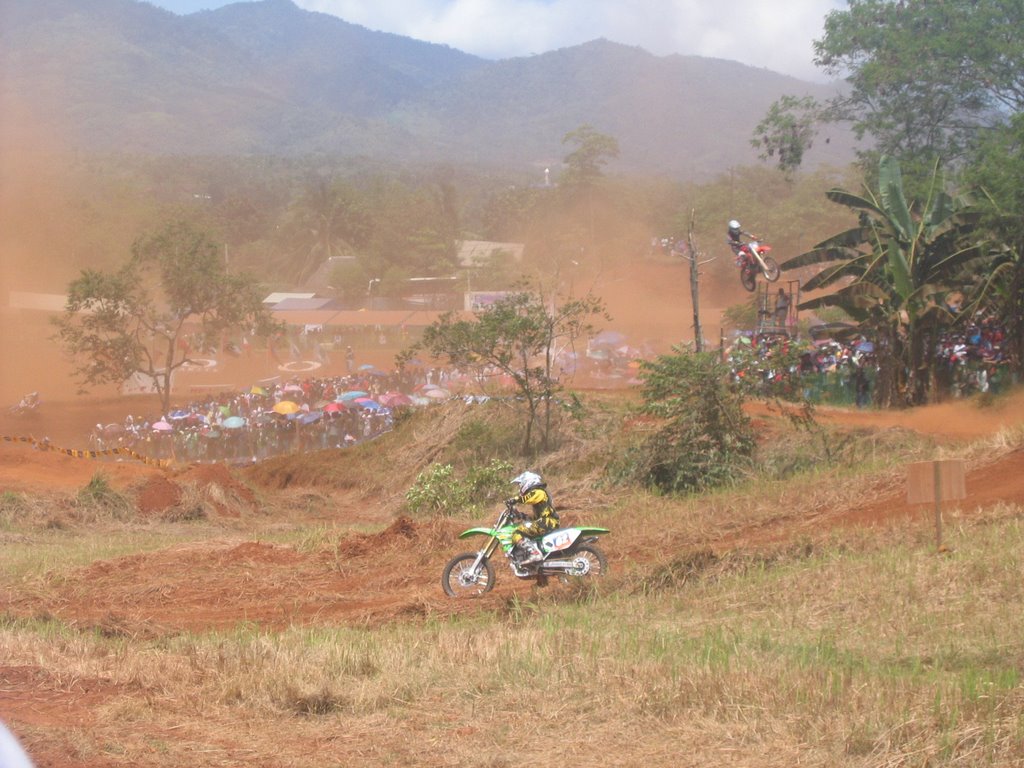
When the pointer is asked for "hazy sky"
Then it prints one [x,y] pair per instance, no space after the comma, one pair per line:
[763,33]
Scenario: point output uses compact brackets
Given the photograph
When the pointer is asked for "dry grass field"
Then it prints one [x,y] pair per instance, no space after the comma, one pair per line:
[291,615]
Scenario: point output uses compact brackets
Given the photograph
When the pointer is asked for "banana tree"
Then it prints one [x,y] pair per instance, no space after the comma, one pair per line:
[894,272]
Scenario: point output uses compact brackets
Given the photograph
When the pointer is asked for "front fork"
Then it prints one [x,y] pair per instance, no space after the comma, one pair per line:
[485,553]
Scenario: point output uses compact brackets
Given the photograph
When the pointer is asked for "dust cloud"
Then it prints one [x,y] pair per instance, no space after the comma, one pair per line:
[35,235]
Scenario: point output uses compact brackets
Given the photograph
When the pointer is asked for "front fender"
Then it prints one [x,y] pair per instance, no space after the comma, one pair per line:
[476,532]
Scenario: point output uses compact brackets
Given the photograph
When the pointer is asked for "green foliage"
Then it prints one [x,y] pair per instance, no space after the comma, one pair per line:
[997,170]
[130,320]
[769,368]
[924,76]
[741,316]
[517,336]
[895,270]
[437,489]
[592,152]
[787,131]
[99,495]
[702,438]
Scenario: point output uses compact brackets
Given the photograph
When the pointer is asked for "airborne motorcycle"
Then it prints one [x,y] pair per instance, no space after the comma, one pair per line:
[569,553]
[752,258]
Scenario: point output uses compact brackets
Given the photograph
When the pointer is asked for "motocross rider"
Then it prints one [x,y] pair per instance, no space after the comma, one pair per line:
[532,491]
[736,235]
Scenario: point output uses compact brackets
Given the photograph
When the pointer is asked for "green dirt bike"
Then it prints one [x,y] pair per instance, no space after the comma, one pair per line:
[569,554]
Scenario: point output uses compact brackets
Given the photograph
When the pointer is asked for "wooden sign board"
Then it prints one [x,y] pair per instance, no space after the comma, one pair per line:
[935,481]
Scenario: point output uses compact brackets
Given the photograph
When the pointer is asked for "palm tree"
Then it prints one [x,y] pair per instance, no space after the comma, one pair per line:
[896,269]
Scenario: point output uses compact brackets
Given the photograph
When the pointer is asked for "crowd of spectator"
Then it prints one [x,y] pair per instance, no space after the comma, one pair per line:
[842,368]
[274,418]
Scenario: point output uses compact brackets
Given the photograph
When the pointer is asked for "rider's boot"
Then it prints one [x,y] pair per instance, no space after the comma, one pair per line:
[526,552]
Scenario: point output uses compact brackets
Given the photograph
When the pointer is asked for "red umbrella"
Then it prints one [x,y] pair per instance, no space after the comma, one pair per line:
[394,399]
[333,408]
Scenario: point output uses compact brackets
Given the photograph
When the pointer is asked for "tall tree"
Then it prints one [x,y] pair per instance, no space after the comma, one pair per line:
[895,270]
[131,320]
[997,170]
[593,150]
[521,336]
[923,77]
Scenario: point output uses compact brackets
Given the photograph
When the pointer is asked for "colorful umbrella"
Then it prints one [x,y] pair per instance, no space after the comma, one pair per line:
[233,422]
[162,426]
[394,399]
[437,393]
[368,404]
[256,390]
[352,394]
[287,406]
[309,418]
[334,408]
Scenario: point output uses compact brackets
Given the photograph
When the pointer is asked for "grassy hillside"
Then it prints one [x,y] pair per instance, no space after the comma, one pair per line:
[752,626]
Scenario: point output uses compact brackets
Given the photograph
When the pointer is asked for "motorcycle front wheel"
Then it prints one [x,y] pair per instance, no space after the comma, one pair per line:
[748,279]
[589,563]
[460,579]
[771,269]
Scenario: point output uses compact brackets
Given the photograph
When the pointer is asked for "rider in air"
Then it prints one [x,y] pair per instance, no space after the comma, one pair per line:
[534,492]
[736,235]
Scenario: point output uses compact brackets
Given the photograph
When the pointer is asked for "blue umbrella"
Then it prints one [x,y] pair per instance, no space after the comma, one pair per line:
[368,404]
[309,418]
[233,422]
[352,394]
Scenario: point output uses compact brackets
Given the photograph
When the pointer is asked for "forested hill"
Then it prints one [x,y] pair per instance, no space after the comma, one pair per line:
[270,78]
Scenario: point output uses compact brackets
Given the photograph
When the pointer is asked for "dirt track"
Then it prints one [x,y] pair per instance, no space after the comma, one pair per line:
[219,584]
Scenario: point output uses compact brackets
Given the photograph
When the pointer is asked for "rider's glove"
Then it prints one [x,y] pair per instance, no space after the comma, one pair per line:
[512,501]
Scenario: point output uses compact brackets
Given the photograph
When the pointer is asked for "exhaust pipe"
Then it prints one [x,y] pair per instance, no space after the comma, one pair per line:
[565,566]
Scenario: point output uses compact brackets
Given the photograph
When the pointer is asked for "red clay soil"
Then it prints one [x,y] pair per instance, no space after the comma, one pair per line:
[217,584]
[221,584]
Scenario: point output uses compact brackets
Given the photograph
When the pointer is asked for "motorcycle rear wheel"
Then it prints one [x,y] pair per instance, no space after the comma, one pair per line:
[459,579]
[748,279]
[593,564]
[771,269]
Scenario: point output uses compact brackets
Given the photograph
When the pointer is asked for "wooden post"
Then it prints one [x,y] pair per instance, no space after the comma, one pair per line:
[934,481]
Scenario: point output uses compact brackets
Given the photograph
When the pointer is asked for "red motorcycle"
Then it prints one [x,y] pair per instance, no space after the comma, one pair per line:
[753,258]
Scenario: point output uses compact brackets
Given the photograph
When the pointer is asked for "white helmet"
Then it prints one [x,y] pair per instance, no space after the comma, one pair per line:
[527,481]
[734,226]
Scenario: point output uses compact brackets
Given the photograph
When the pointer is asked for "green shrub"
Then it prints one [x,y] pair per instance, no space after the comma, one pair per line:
[100,496]
[438,490]
[702,438]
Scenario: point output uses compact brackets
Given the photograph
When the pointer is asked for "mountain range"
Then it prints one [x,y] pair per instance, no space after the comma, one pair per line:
[269,78]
